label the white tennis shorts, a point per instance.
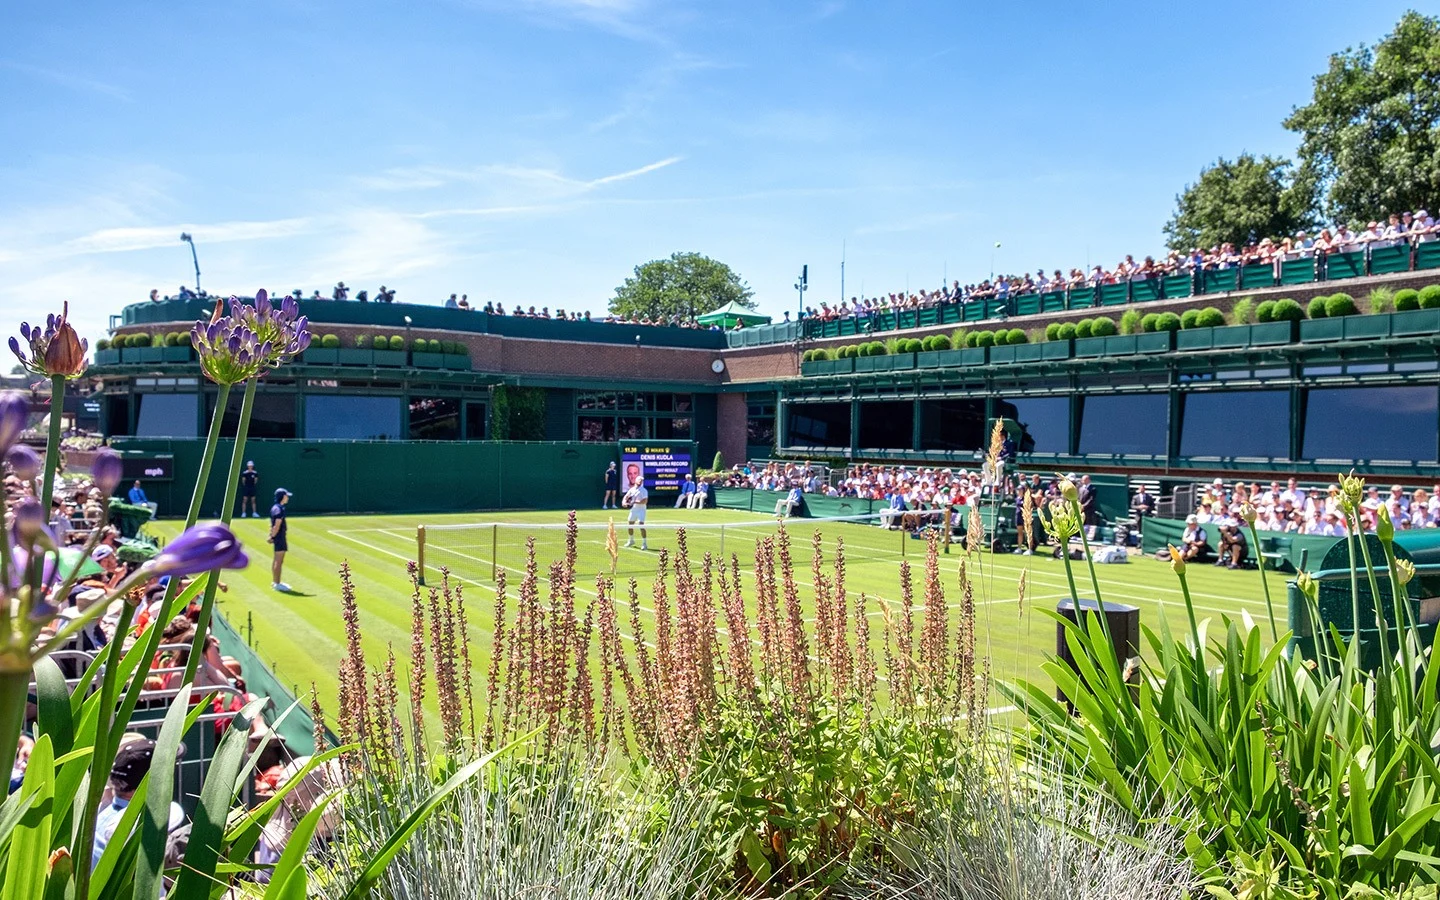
(637, 515)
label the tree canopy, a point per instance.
(1240, 201)
(1370, 136)
(686, 284)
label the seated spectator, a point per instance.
(137, 497)
(791, 503)
(700, 495)
(687, 488)
(1194, 545)
(1233, 545)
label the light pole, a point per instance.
(802, 286)
(185, 236)
(992, 260)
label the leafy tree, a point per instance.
(686, 284)
(1370, 136)
(1240, 201)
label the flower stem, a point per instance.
(52, 445)
(107, 739)
(207, 605)
(14, 691)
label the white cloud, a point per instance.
(533, 181)
(123, 240)
(69, 80)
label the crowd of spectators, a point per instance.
(105, 560)
(1400, 228)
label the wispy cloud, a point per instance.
(535, 180)
(631, 19)
(69, 80)
(653, 86)
(123, 240)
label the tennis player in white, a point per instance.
(636, 500)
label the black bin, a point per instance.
(1123, 621)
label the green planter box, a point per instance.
(1366, 328)
(427, 360)
(1025, 353)
(389, 357)
(836, 366)
(107, 357)
(321, 356)
(973, 356)
(1312, 330)
(1089, 348)
(1269, 334)
(1003, 355)
(131, 355)
(815, 367)
(354, 356)
(939, 359)
(1229, 336)
(1415, 321)
(1190, 339)
(457, 362)
(175, 354)
(152, 354)
(1154, 342)
(1057, 349)
(1119, 344)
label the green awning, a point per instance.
(731, 313)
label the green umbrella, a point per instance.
(70, 557)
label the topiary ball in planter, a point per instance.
(433, 346)
(1167, 322)
(1316, 308)
(878, 348)
(1150, 322)
(396, 342)
(172, 339)
(1066, 331)
(1082, 328)
(985, 339)
(1430, 296)
(420, 345)
(1017, 336)
(1102, 326)
(362, 342)
(1265, 312)
(157, 340)
(330, 342)
(1287, 310)
(1341, 304)
(1209, 317)
(1052, 331)
(1189, 318)
(102, 344)
(1406, 299)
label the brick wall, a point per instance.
(730, 417)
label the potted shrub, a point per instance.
(389, 351)
(458, 356)
(325, 351)
(107, 352)
(177, 347)
(422, 356)
(153, 349)
(358, 355)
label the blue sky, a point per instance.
(535, 151)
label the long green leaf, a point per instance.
(292, 861)
(244, 830)
(154, 825)
(52, 698)
(29, 857)
(406, 830)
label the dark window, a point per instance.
(117, 414)
(595, 429)
(887, 426)
(474, 421)
(167, 415)
(760, 430)
(630, 428)
(434, 419)
(952, 424)
(626, 400)
(1236, 423)
(352, 418)
(272, 416)
(600, 400)
(1371, 423)
(683, 403)
(819, 425)
(1132, 423)
(677, 429)
(1044, 422)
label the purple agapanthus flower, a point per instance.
(56, 351)
(251, 340)
(200, 549)
(106, 470)
(24, 461)
(14, 416)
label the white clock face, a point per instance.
(717, 366)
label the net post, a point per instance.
(420, 551)
(494, 552)
(722, 543)
(946, 525)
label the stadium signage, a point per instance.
(664, 465)
(148, 468)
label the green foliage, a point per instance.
(1209, 317)
(1082, 328)
(102, 344)
(396, 342)
(172, 339)
(985, 339)
(1102, 326)
(1150, 322)
(1002, 336)
(686, 284)
(939, 342)
(1288, 310)
(1265, 312)
(849, 351)
(1017, 336)
(1066, 331)
(1316, 309)
(1167, 322)
(517, 413)
(1406, 299)
(157, 340)
(1380, 300)
(330, 341)
(1189, 318)
(433, 346)
(1368, 135)
(1130, 321)
(911, 345)
(1243, 312)
(420, 345)
(879, 348)
(462, 349)
(1430, 296)
(1240, 201)
(892, 346)
(362, 341)
(1052, 331)
(958, 340)
(717, 464)
(1341, 304)
(137, 340)
(972, 339)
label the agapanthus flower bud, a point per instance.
(1248, 513)
(1177, 562)
(24, 461)
(29, 521)
(14, 416)
(1308, 586)
(1384, 527)
(56, 352)
(200, 549)
(106, 470)
(1352, 491)
(1068, 490)
(1404, 571)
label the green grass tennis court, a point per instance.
(302, 634)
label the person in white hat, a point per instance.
(1193, 541)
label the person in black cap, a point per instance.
(132, 764)
(249, 483)
(277, 538)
